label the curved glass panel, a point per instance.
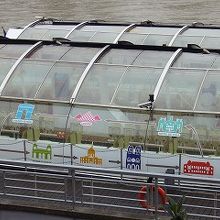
(55, 27)
(52, 33)
(133, 38)
(104, 37)
(174, 95)
(211, 43)
(210, 93)
(33, 33)
(6, 65)
(195, 60)
(13, 50)
(155, 30)
(153, 58)
(212, 32)
(82, 36)
(2, 45)
(103, 28)
(49, 52)
(159, 40)
(80, 54)
(182, 41)
(100, 84)
(26, 79)
(216, 64)
(61, 81)
(136, 85)
(119, 56)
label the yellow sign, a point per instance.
(91, 158)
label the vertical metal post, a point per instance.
(25, 155)
(92, 193)
(4, 188)
(156, 198)
(121, 158)
(180, 167)
(65, 188)
(71, 153)
(215, 203)
(73, 182)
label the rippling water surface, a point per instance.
(21, 12)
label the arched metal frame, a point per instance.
(11, 71)
(165, 70)
(180, 31)
(122, 32)
(79, 26)
(31, 25)
(83, 76)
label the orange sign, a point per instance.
(198, 167)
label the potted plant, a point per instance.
(176, 209)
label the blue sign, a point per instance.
(169, 127)
(24, 114)
(133, 160)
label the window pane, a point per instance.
(80, 54)
(103, 28)
(61, 81)
(193, 60)
(202, 32)
(82, 36)
(50, 34)
(216, 64)
(210, 93)
(49, 52)
(133, 38)
(26, 79)
(159, 40)
(119, 56)
(182, 41)
(155, 30)
(153, 58)
(136, 86)
(6, 65)
(211, 43)
(104, 37)
(100, 84)
(175, 95)
(33, 33)
(14, 51)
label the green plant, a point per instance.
(176, 209)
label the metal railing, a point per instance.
(115, 191)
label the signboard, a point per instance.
(169, 127)
(87, 119)
(133, 160)
(24, 114)
(198, 167)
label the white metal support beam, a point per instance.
(84, 74)
(76, 28)
(11, 71)
(165, 70)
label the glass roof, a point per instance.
(113, 76)
(206, 36)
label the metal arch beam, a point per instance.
(122, 32)
(76, 27)
(84, 74)
(180, 31)
(31, 25)
(11, 71)
(165, 70)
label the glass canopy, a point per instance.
(112, 76)
(205, 36)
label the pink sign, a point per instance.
(87, 119)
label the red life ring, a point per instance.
(142, 193)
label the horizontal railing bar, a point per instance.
(35, 190)
(35, 181)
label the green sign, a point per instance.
(41, 154)
(169, 127)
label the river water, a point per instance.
(21, 12)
